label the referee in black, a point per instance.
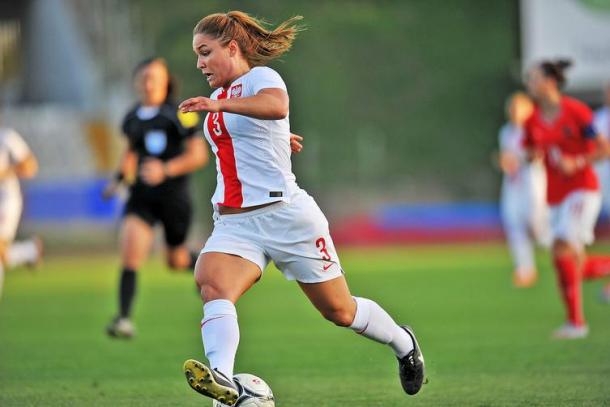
(164, 147)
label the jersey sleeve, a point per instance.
(584, 116)
(503, 138)
(265, 78)
(16, 146)
(127, 131)
(528, 138)
(187, 123)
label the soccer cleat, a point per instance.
(39, 253)
(571, 331)
(210, 382)
(525, 280)
(121, 328)
(411, 367)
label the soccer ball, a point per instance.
(254, 392)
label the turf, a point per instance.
(486, 343)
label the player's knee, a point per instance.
(173, 263)
(210, 292)
(562, 248)
(339, 316)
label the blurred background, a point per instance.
(399, 102)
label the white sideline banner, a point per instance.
(576, 29)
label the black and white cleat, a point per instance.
(411, 367)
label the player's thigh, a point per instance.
(135, 241)
(333, 299)
(225, 276)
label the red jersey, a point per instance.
(571, 133)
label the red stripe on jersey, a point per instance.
(226, 156)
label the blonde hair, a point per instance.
(258, 44)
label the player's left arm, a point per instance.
(267, 104)
(195, 156)
(600, 149)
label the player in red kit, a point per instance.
(561, 131)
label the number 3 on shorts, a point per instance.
(321, 244)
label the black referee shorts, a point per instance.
(174, 210)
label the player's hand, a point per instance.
(509, 163)
(152, 171)
(570, 165)
(295, 144)
(111, 189)
(199, 104)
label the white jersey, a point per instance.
(523, 196)
(13, 150)
(252, 155)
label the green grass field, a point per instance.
(486, 343)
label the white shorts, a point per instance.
(573, 220)
(10, 214)
(294, 235)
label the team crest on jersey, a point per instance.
(155, 141)
(236, 91)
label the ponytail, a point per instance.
(258, 44)
(556, 70)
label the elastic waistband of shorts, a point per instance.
(274, 206)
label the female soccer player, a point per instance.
(523, 196)
(561, 130)
(162, 150)
(16, 162)
(260, 212)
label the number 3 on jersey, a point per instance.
(321, 245)
(216, 125)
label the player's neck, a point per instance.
(550, 103)
(238, 72)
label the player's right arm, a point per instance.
(125, 175)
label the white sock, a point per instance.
(220, 334)
(22, 252)
(373, 322)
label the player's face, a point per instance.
(214, 60)
(151, 84)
